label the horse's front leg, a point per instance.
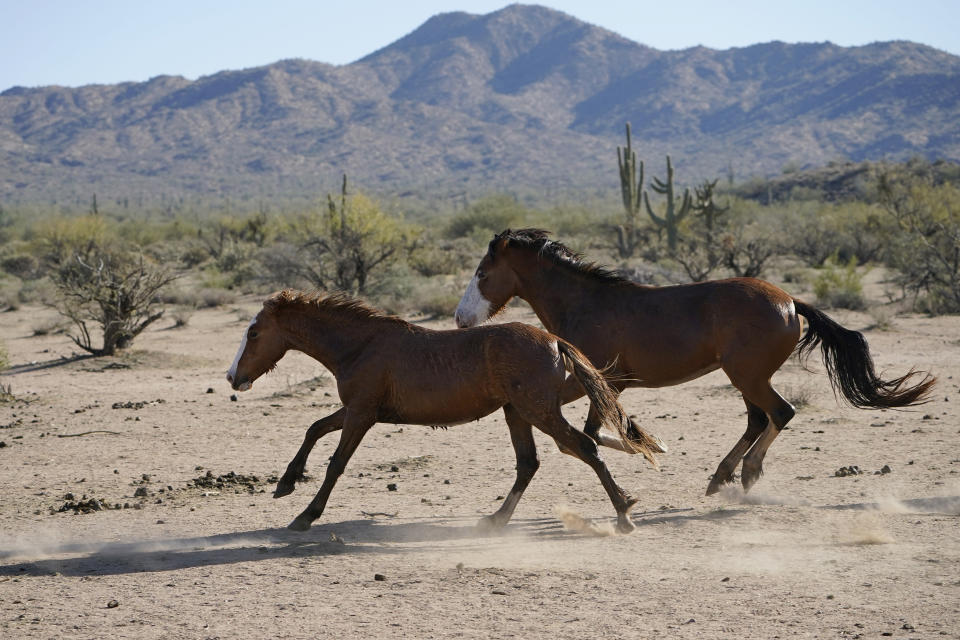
(355, 426)
(294, 472)
(571, 391)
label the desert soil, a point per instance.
(198, 548)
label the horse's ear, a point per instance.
(499, 242)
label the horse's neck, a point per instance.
(555, 295)
(329, 339)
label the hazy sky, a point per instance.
(76, 42)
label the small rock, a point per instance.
(113, 604)
(852, 470)
(727, 579)
(499, 593)
(379, 577)
(886, 469)
(394, 468)
(209, 389)
(392, 486)
(233, 397)
(141, 492)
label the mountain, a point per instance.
(521, 98)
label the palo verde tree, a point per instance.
(339, 248)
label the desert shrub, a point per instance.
(21, 265)
(59, 241)
(839, 285)
(486, 217)
(115, 291)
(193, 256)
(340, 248)
(4, 357)
(753, 236)
(924, 242)
(433, 257)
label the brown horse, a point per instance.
(389, 370)
(660, 336)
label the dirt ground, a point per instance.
(180, 548)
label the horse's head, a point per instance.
(494, 283)
(262, 345)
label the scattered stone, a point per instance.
(233, 397)
(852, 470)
(379, 577)
(392, 486)
(499, 593)
(727, 579)
(141, 492)
(394, 468)
(885, 469)
(82, 506)
(209, 389)
(136, 405)
(234, 479)
(113, 604)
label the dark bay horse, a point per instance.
(389, 370)
(660, 336)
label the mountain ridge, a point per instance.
(521, 98)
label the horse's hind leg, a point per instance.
(521, 434)
(294, 472)
(756, 423)
(583, 447)
(780, 412)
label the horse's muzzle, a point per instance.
(237, 384)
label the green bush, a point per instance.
(839, 286)
(486, 217)
(924, 241)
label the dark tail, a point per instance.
(850, 366)
(605, 400)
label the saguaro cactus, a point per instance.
(631, 188)
(673, 215)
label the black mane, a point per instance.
(538, 240)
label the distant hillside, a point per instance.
(525, 97)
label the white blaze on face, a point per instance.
(232, 371)
(473, 308)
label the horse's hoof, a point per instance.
(299, 524)
(717, 482)
(489, 523)
(283, 489)
(624, 524)
(749, 478)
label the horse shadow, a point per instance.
(360, 537)
(368, 536)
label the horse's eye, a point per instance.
(481, 275)
(252, 335)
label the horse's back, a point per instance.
(668, 335)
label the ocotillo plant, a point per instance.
(673, 215)
(631, 188)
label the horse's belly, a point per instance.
(676, 377)
(441, 409)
